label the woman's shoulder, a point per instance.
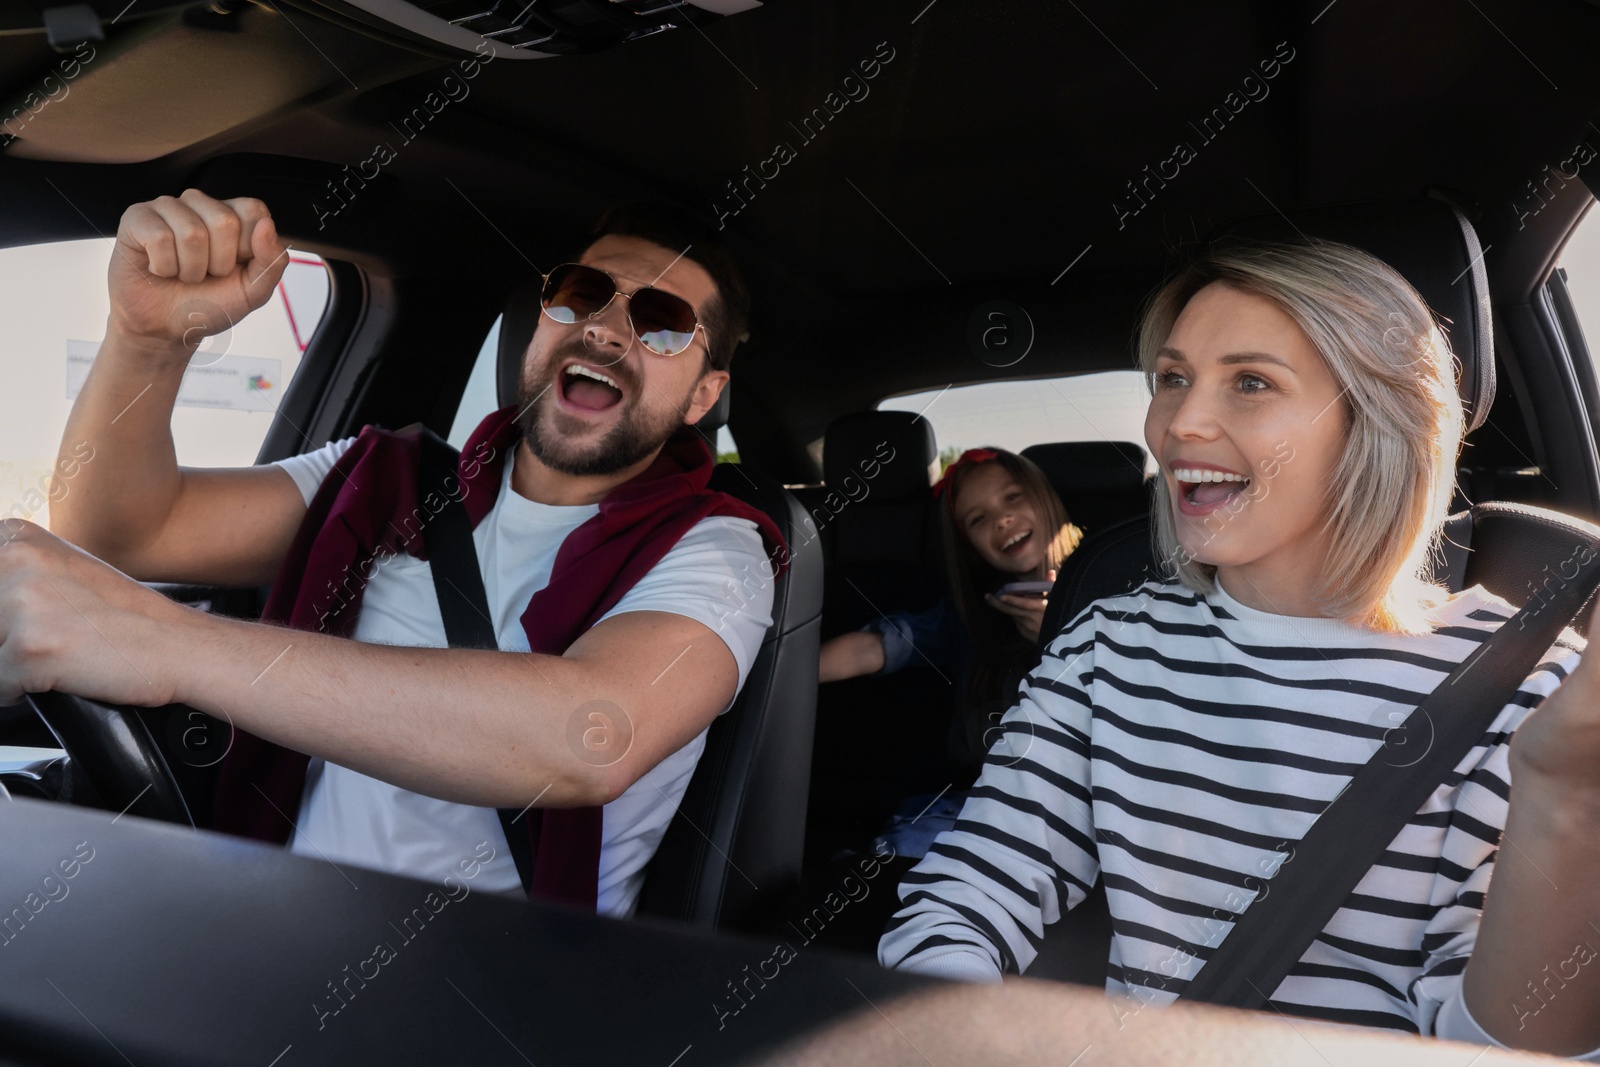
(1474, 605)
(1476, 608)
(1157, 597)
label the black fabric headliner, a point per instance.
(986, 158)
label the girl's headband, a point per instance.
(971, 455)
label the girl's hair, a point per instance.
(1002, 655)
(1390, 489)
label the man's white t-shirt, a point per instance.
(717, 574)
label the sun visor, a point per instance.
(163, 85)
(67, 24)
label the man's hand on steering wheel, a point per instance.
(70, 623)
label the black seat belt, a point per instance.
(1353, 832)
(458, 583)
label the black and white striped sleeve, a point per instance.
(1022, 850)
(1451, 937)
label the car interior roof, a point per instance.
(986, 161)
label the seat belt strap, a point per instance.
(463, 602)
(1353, 832)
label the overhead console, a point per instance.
(534, 29)
(514, 29)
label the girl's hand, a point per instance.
(1027, 612)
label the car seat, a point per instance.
(736, 842)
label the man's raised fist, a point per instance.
(188, 267)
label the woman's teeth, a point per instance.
(1184, 474)
(1202, 488)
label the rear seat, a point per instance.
(882, 554)
(878, 739)
(1100, 482)
(880, 538)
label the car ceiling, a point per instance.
(983, 163)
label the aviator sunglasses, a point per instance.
(664, 322)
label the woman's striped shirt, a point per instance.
(1176, 746)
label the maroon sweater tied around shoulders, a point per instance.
(367, 510)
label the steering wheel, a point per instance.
(113, 747)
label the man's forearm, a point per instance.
(496, 729)
(124, 412)
(475, 727)
(1534, 980)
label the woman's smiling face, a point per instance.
(1248, 423)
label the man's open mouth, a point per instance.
(1203, 488)
(584, 387)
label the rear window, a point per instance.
(1104, 406)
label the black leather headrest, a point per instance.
(517, 323)
(1434, 247)
(1089, 466)
(898, 445)
(716, 418)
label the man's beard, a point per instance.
(635, 436)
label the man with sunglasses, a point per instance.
(611, 571)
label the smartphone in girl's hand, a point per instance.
(1030, 589)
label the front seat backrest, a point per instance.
(735, 845)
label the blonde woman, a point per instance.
(1174, 741)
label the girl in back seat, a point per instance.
(1003, 525)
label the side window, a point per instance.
(1581, 259)
(54, 303)
(1104, 406)
(481, 397)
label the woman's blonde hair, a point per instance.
(1391, 488)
